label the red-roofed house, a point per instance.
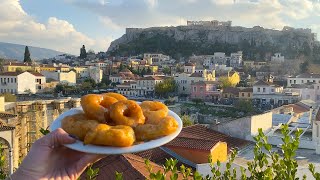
(131, 166)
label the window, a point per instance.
(314, 81)
(302, 81)
(308, 81)
(194, 89)
(258, 89)
(294, 81)
(242, 94)
(15, 80)
(249, 95)
(290, 81)
(272, 90)
(11, 80)
(264, 89)
(201, 89)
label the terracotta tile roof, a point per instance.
(308, 75)
(10, 73)
(199, 137)
(262, 83)
(297, 108)
(205, 82)
(246, 90)
(131, 167)
(189, 64)
(4, 115)
(159, 156)
(37, 74)
(156, 155)
(152, 78)
(231, 90)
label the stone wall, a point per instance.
(245, 128)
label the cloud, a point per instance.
(109, 24)
(57, 34)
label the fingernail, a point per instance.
(73, 136)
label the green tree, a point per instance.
(3, 174)
(27, 57)
(186, 120)
(166, 70)
(19, 70)
(163, 89)
(143, 72)
(121, 67)
(197, 101)
(1, 65)
(304, 67)
(244, 106)
(225, 82)
(83, 52)
(149, 71)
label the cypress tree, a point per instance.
(83, 52)
(27, 57)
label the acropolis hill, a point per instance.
(209, 32)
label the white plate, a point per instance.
(79, 146)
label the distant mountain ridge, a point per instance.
(16, 51)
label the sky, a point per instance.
(65, 25)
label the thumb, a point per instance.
(56, 138)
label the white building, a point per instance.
(82, 71)
(63, 77)
(21, 82)
(265, 92)
(191, 75)
(277, 58)
(157, 58)
(95, 73)
(236, 59)
(303, 79)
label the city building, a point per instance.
(21, 82)
(230, 93)
(246, 93)
(266, 92)
(13, 67)
(303, 79)
(146, 85)
(205, 90)
(69, 78)
(190, 75)
(255, 65)
(307, 91)
(82, 71)
(123, 76)
(157, 59)
(236, 59)
(95, 73)
(277, 58)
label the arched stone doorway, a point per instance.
(7, 135)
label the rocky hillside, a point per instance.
(257, 43)
(16, 51)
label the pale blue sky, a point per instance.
(67, 24)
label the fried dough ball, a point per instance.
(165, 127)
(154, 111)
(96, 106)
(127, 112)
(119, 136)
(117, 96)
(78, 125)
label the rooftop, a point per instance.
(205, 82)
(196, 74)
(199, 137)
(231, 90)
(131, 166)
(308, 75)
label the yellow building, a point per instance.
(12, 67)
(246, 93)
(48, 68)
